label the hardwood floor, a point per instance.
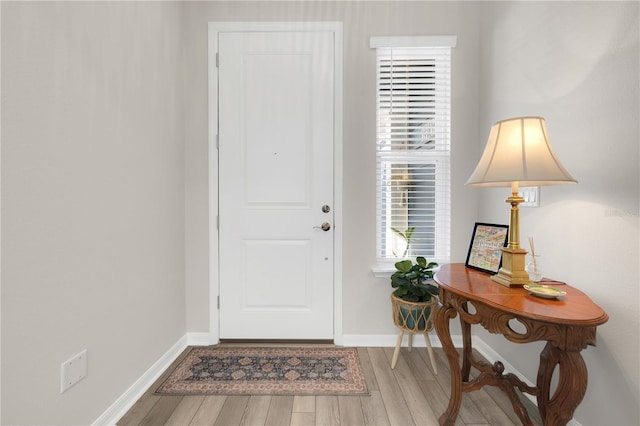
(408, 395)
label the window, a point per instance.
(413, 147)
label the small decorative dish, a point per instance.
(544, 291)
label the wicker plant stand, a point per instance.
(413, 318)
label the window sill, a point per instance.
(382, 271)
(384, 268)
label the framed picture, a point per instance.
(485, 250)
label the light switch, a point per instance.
(530, 195)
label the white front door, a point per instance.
(276, 146)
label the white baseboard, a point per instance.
(131, 395)
(389, 340)
(199, 339)
(126, 401)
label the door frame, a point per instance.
(214, 29)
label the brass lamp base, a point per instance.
(512, 272)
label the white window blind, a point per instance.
(413, 152)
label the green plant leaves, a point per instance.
(411, 280)
(404, 265)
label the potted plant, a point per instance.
(413, 281)
(413, 301)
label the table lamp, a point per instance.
(518, 152)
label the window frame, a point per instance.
(441, 158)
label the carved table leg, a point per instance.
(443, 317)
(466, 346)
(572, 384)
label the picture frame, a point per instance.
(485, 248)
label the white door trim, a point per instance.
(214, 29)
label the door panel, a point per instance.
(276, 106)
(293, 290)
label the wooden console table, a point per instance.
(568, 324)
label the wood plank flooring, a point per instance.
(408, 395)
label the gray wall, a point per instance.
(577, 64)
(92, 201)
(105, 193)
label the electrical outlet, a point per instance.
(73, 370)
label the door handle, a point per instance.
(325, 226)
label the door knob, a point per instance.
(325, 226)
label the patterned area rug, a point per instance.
(267, 371)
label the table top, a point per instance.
(575, 308)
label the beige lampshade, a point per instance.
(519, 151)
